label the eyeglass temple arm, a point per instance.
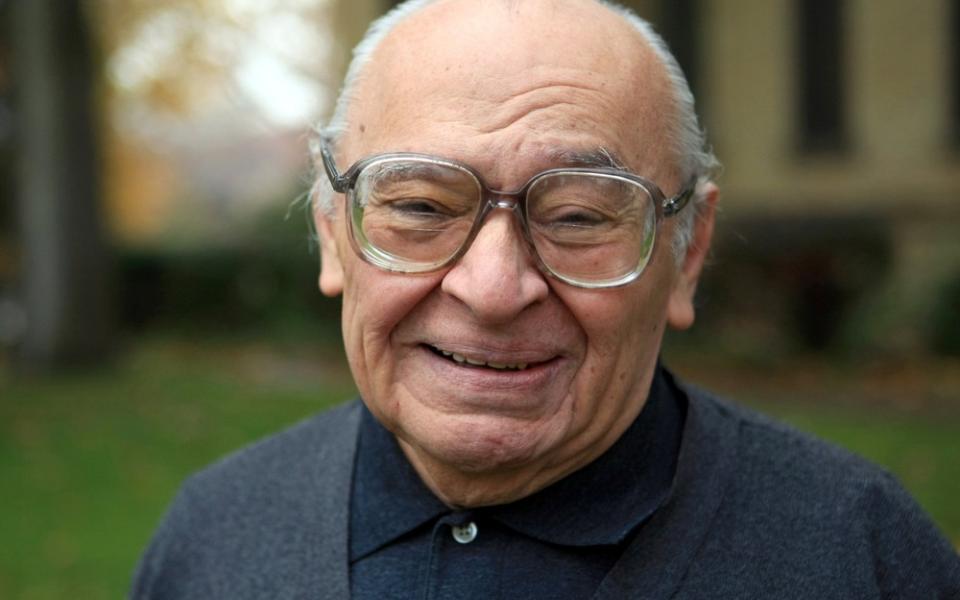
(337, 181)
(672, 206)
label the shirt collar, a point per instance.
(388, 498)
(601, 503)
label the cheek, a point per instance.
(620, 324)
(624, 328)
(375, 303)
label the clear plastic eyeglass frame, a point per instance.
(491, 199)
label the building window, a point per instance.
(821, 73)
(680, 26)
(953, 76)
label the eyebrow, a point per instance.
(598, 157)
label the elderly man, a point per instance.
(516, 203)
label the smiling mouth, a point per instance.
(466, 361)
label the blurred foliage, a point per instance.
(777, 287)
(175, 56)
(945, 319)
(260, 281)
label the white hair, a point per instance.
(696, 160)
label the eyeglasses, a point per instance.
(414, 213)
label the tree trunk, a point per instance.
(64, 261)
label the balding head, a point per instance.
(484, 70)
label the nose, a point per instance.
(497, 278)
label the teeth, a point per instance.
(479, 363)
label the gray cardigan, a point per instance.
(758, 510)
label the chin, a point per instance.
(477, 445)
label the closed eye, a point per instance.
(579, 220)
(416, 206)
(575, 219)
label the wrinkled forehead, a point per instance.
(570, 69)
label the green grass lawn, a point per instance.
(89, 461)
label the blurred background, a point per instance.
(158, 301)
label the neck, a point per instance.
(460, 488)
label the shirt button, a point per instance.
(465, 534)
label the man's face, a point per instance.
(502, 88)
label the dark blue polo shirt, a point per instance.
(557, 543)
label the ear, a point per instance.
(680, 309)
(331, 268)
